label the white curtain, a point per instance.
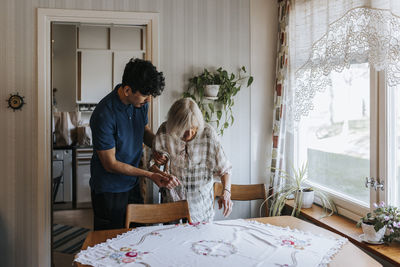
(328, 35)
(325, 36)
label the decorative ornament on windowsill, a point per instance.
(15, 101)
(380, 225)
(214, 92)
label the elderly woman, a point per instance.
(196, 158)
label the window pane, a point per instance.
(335, 138)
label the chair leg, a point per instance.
(56, 185)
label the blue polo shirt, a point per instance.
(115, 124)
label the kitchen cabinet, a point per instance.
(120, 58)
(82, 161)
(102, 54)
(89, 60)
(62, 168)
(95, 76)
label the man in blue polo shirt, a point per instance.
(119, 128)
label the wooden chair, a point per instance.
(243, 192)
(157, 213)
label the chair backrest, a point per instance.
(157, 213)
(243, 192)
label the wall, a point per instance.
(64, 66)
(264, 25)
(193, 34)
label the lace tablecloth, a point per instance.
(220, 243)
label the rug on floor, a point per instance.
(68, 239)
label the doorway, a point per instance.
(52, 174)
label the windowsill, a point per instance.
(347, 228)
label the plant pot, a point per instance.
(308, 199)
(211, 90)
(370, 234)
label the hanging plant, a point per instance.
(217, 108)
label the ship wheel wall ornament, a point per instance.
(15, 101)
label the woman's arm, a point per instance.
(225, 199)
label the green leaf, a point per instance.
(243, 68)
(232, 120)
(226, 125)
(207, 117)
(250, 81)
(219, 114)
(211, 106)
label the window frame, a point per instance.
(380, 110)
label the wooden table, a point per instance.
(349, 255)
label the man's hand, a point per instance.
(159, 158)
(226, 201)
(168, 181)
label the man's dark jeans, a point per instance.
(109, 209)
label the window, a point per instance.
(339, 138)
(393, 136)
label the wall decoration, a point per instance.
(15, 101)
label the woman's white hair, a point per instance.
(183, 115)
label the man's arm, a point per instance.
(148, 136)
(112, 165)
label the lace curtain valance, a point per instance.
(361, 34)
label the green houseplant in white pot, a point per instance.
(214, 92)
(296, 187)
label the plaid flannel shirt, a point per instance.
(196, 164)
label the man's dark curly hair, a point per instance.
(141, 75)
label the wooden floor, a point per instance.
(78, 218)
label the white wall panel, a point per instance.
(193, 34)
(263, 57)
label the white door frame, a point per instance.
(45, 18)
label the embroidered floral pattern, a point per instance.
(294, 261)
(213, 248)
(233, 243)
(292, 242)
(196, 224)
(132, 255)
(153, 233)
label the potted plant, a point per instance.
(214, 92)
(296, 187)
(382, 224)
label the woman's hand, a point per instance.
(226, 201)
(159, 158)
